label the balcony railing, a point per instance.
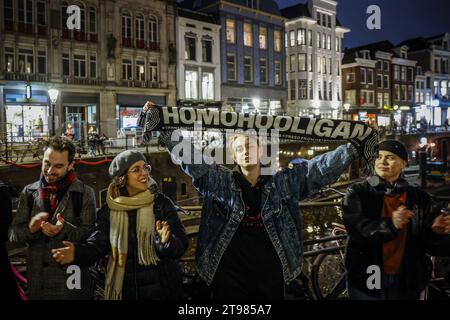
(81, 81)
(25, 27)
(140, 44)
(17, 76)
(42, 30)
(9, 25)
(140, 84)
(93, 37)
(127, 43)
(79, 35)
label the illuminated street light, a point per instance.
(53, 95)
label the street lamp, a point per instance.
(53, 95)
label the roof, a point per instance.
(195, 15)
(297, 11)
(385, 46)
(268, 6)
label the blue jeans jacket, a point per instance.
(223, 207)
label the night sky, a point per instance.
(400, 19)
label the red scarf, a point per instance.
(51, 193)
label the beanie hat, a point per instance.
(123, 161)
(394, 146)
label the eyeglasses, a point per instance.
(138, 170)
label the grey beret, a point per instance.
(123, 161)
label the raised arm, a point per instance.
(309, 176)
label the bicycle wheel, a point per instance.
(328, 277)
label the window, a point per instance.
(396, 72)
(278, 72)
(139, 69)
(404, 73)
(311, 90)
(292, 89)
(397, 92)
(329, 42)
(254, 4)
(292, 38)
(338, 93)
(189, 49)
(8, 10)
(126, 69)
(231, 31)
(436, 65)
(319, 90)
(207, 86)
(9, 59)
(79, 66)
(93, 66)
(436, 88)
(92, 21)
(262, 37)
(65, 64)
(410, 93)
(330, 90)
(369, 76)
(263, 70)
(386, 99)
(153, 70)
(386, 66)
(231, 67)
(82, 19)
(367, 97)
(337, 44)
(350, 97)
(302, 90)
(319, 21)
(206, 50)
(310, 38)
(380, 100)
(404, 55)
(329, 21)
(410, 74)
(40, 6)
(310, 63)
(26, 61)
(318, 40)
(379, 65)
(319, 64)
(292, 63)
(379, 81)
(25, 12)
(404, 93)
(42, 62)
(324, 41)
(350, 77)
(443, 88)
(248, 35)
(248, 69)
(126, 26)
(324, 65)
(139, 31)
(362, 74)
(64, 15)
(325, 93)
(191, 90)
(386, 81)
(330, 65)
(338, 67)
(301, 37)
(277, 40)
(301, 62)
(153, 35)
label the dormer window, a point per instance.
(404, 54)
(365, 54)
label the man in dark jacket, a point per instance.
(9, 286)
(392, 227)
(56, 208)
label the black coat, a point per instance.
(7, 280)
(162, 281)
(368, 232)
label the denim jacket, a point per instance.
(223, 206)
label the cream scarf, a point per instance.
(118, 237)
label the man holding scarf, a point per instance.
(58, 207)
(250, 238)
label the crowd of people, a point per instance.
(249, 244)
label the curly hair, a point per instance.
(62, 144)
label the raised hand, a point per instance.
(36, 222)
(163, 230)
(51, 230)
(64, 255)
